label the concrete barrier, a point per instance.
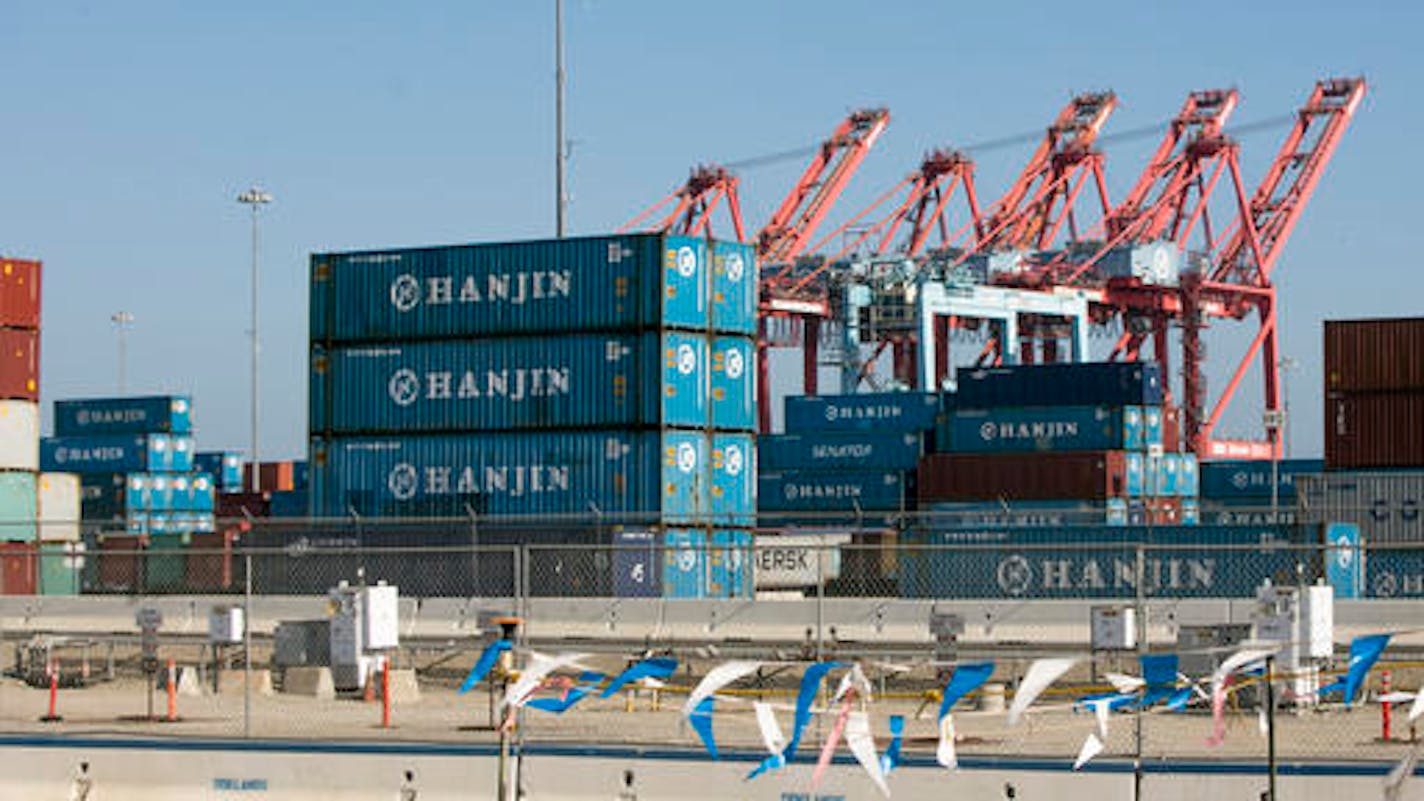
(314, 682)
(405, 689)
(230, 681)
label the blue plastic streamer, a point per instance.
(559, 706)
(891, 758)
(965, 680)
(658, 667)
(484, 664)
(810, 685)
(1364, 652)
(701, 720)
(773, 762)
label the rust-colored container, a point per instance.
(1171, 429)
(1374, 430)
(1164, 511)
(276, 476)
(19, 294)
(19, 364)
(19, 573)
(1089, 475)
(119, 562)
(235, 505)
(209, 561)
(1374, 355)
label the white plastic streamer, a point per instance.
(1417, 708)
(860, 743)
(717, 678)
(854, 679)
(944, 753)
(1040, 674)
(1092, 746)
(770, 730)
(1101, 708)
(1124, 683)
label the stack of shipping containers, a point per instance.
(594, 379)
(139, 487)
(1239, 492)
(1374, 446)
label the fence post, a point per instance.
(1140, 623)
(247, 642)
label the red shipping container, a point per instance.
(1374, 430)
(1091, 475)
(19, 364)
(232, 505)
(119, 561)
(19, 294)
(1171, 429)
(209, 562)
(1374, 355)
(276, 476)
(19, 573)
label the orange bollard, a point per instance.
(53, 716)
(172, 682)
(1386, 730)
(386, 694)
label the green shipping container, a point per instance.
(19, 505)
(61, 568)
(165, 563)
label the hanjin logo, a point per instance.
(686, 560)
(736, 365)
(686, 262)
(734, 460)
(405, 292)
(736, 268)
(1015, 575)
(83, 417)
(404, 387)
(686, 457)
(403, 481)
(987, 431)
(686, 359)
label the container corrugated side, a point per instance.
(610, 283)
(734, 471)
(19, 568)
(1226, 480)
(1061, 428)
(108, 454)
(19, 435)
(19, 499)
(158, 414)
(61, 568)
(577, 381)
(733, 396)
(1374, 355)
(831, 491)
(224, 466)
(58, 506)
(1023, 477)
(685, 568)
(20, 293)
(881, 411)
(735, 286)
(730, 564)
(1374, 430)
(661, 474)
(841, 450)
(1388, 506)
(19, 364)
(956, 515)
(1074, 384)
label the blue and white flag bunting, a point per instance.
(588, 682)
(701, 720)
(891, 758)
(1364, 652)
(966, 679)
(658, 667)
(484, 664)
(810, 685)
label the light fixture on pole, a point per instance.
(256, 199)
(122, 321)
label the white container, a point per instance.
(381, 617)
(225, 625)
(19, 435)
(58, 505)
(1114, 628)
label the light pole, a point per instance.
(256, 199)
(561, 198)
(122, 321)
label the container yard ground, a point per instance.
(440, 716)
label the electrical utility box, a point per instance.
(1301, 619)
(364, 620)
(225, 625)
(1113, 628)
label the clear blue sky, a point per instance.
(130, 127)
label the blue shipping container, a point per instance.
(1394, 573)
(159, 414)
(1138, 480)
(730, 564)
(1153, 420)
(1189, 477)
(224, 466)
(734, 383)
(290, 504)
(610, 283)
(1062, 428)
(661, 475)
(733, 479)
(1034, 563)
(684, 564)
(952, 516)
(841, 450)
(841, 491)
(735, 283)
(637, 563)
(114, 496)
(881, 411)
(576, 381)
(1246, 512)
(113, 454)
(1075, 384)
(301, 474)
(1191, 512)
(1224, 480)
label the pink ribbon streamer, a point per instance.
(831, 742)
(1218, 713)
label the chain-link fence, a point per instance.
(907, 601)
